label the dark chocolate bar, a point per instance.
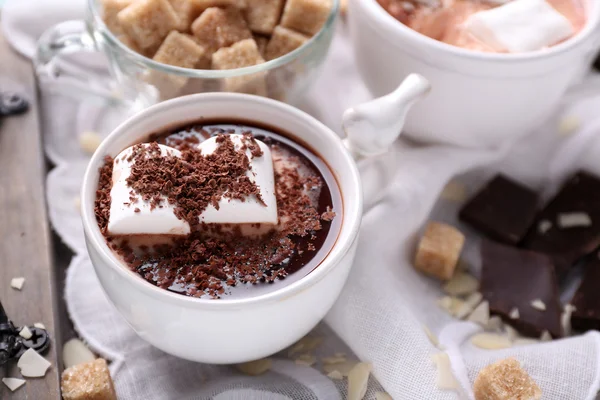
(512, 278)
(503, 210)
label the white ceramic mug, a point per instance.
(238, 330)
(478, 99)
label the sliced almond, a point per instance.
(474, 299)
(306, 360)
(333, 360)
(494, 324)
(463, 309)
(358, 381)
(337, 375)
(432, 338)
(514, 313)
(538, 305)
(568, 125)
(343, 368)
(511, 333)
(32, 365)
(452, 305)
(454, 191)
(306, 344)
(89, 141)
(445, 379)
(25, 333)
(39, 325)
(524, 341)
(255, 368)
(545, 336)
(481, 314)
(17, 283)
(573, 220)
(490, 341)
(13, 383)
(382, 396)
(75, 352)
(565, 318)
(461, 284)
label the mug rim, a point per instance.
(380, 17)
(94, 9)
(347, 235)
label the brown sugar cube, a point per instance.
(218, 27)
(110, 9)
(129, 42)
(148, 22)
(261, 43)
(306, 16)
(263, 15)
(180, 50)
(185, 13)
(88, 381)
(505, 380)
(198, 6)
(242, 54)
(283, 41)
(439, 249)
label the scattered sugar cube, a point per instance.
(110, 9)
(200, 5)
(283, 41)
(241, 54)
(216, 28)
(17, 283)
(13, 383)
(261, 43)
(438, 250)
(89, 141)
(263, 15)
(306, 16)
(148, 22)
(503, 380)
(180, 50)
(88, 381)
(520, 26)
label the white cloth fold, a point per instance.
(386, 302)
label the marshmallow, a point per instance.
(520, 26)
(124, 220)
(250, 210)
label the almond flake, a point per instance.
(89, 141)
(358, 381)
(335, 374)
(544, 226)
(525, 341)
(565, 318)
(454, 191)
(343, 368)
(452, 305)
(306, 344)
(432, 338)
(39, 325)
(13, 383)
(474, 299)
(538, 305)
(463, 309)
(490, 341)
(445, 379)
(333, 360)
(545, 337)
(511, 333)
(568, 125)
(75, 352)
(255, 368)
(481, 314)
(25, 333)
(17, 283)
(382, 396)
(306, 360)
(461, 284)
(573, 220)
(32, 365)
(494, 324)
(514, 313)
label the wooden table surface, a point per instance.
(25, 239)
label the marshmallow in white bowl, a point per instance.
(520, 26)
(250, 210)
(124, 220)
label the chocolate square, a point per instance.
(580, 194)
(587, 300)
(503, 210)
(514, 278)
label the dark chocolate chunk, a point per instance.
(514, 278)
(586, 300)
(566, 245)
(503, 210)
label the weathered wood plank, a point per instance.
(24, 233)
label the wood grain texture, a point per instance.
(24, 233)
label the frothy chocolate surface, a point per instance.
(223, 260)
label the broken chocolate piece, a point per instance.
(513, 278)
(502, 210)
(566, 244)
(586, 301)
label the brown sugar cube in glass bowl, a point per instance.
(219, 27)
(263, 15)
(505, 380)
(148, 22)
(242, 54)
(438, 250)
(185, 13)
(503, 210)
(283, 41)
(110, 9)
(199, 6)
(306, 16)
(88, 381)
(182, 51)
(261, 43)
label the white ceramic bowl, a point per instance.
(478, 99)
(232, 330)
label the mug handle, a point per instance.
(67, 78)
(372, 127)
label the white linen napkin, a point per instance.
(383, 307)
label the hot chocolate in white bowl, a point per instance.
(479, 99)
(236, 330)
